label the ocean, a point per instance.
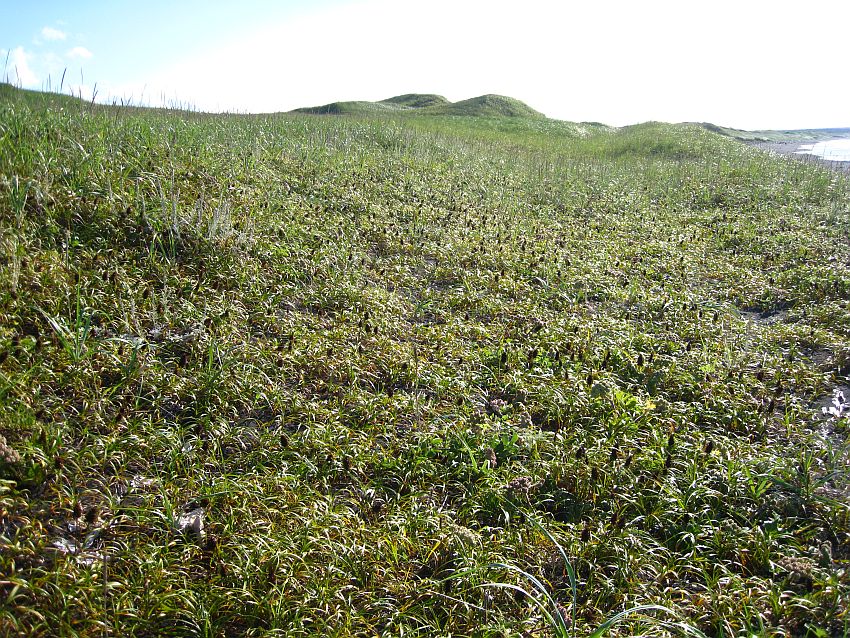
(834, 150)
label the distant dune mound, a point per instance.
(429, 104)
(417, 100)
(349, 108)
(786, 135)
(488, 106)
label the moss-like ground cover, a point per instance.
(293, 375)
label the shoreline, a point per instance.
(790, 149)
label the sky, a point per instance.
(748, 64)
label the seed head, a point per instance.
(7, 453)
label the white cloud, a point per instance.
(615, 61)
(18, 70)
(80, 52)
(51, 34)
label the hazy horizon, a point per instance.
(752, 66)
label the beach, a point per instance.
(792, 148)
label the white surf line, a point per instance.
(830, 150)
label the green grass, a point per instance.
(794, 135)
(419, 104)
(383, 356)
(352, 108)
(418, 100)
(487, 106)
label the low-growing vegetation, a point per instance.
(299, 375)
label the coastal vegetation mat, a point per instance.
(299, 375)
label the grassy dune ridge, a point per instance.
(795, 135)
(289, 375)
(419, 104)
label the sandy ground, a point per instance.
(790, 148)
